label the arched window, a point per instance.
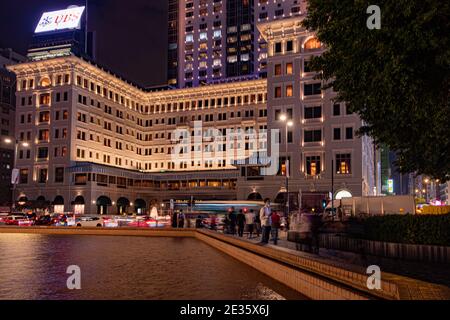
(45, 82)
(312, 44)
(343, 194)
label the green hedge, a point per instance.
(413, 229)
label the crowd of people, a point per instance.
(265, 223)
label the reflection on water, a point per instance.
(34, 267)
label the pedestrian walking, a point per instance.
(240, 223)
(198, 222)
(181, 219)
(275, 225)
(257, 224)
(232, 217)
(250, 222)
(264, 215)
(174, 219)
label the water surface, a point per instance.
(33, 266)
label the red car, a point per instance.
(18, 221)
(145, 222)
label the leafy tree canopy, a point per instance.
(396, 77)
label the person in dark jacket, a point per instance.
(232, 217)
(181, 219)
(174, 219)
(240, 219)
(198, 222)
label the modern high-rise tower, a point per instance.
(212, 41)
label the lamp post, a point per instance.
(16, 147)
(287, 123)
(426, 180)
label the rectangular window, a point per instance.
(277, 70)
(42, 153)
(337, 134)
(289, 45)
(313, 112)
(23, 176)
(42, 175)
(349, 133)
(312, 89)
(289, 68)
(312, 165)
(289, 90)
(313, 135)
(278, 47)
(343, 163)
(59, 174)
(336, 109)
(277, 92)
(44, 98)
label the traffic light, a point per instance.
(324, 203)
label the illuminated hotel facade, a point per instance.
(98, 144)
(213, 40)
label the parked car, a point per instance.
(88, 221)
(18, 221)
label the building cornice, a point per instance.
(77, 64)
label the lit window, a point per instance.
(289, 91)
(217, 62)
(189, 38)
(203, 36)
(312, 165)
(245, 27)
(343, 163)
(217, 34)
(312, 44)
(289, 68)
(232, 59)
(245, 57)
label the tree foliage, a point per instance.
(396, 77)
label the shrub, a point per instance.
(412, 229)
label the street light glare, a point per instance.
(8, 140)
(290, 123)
(25, 144)
(283, 117)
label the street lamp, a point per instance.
(426, 180)
(287, 123)
(16, 146)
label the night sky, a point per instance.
(131, 34)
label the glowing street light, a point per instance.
(288, 123)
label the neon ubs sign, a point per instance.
(60, 20)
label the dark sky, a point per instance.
(131, 34)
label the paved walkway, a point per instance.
(429, 272)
